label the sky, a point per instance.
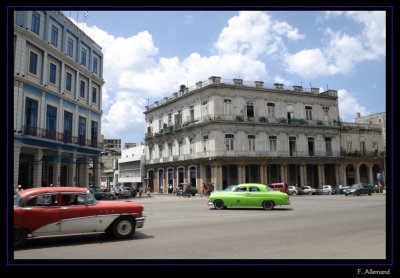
(149, 54)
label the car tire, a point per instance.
(268, 205)
(358, 193)
(123, 228)
(219, 204)
(20, 237)
(369, 193)
(346, 194)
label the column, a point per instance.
(219, 178)
(17, 151)
(241, 174)
(44, 69)
(343, 174)
(62, 79)
(42, 111)
(303, 174)
(263, 178)
(57, 168)
(357, 173)
(266, 174)
(18, 105)
(85, 176)
(37, 168)
(72, 171)
(203, 178)
(337, 175)
(371, 174)
(321, 178)
(283, 173)
(96, 173)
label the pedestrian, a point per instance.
(148, 192)
(140, 191)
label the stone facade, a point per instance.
(58, 83)
(229, 131)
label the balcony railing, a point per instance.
(215, 154)
(240, 118)
(60, 137)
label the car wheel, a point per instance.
(268, 205)
(123, 227)
(358, 193)
(20, 237)
(219, 204)
(369, 193)
(346, 194)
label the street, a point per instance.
(311, 227)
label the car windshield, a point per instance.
(230, 188)
(17, 200)
(269, 188)
(355, 186)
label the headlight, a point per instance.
(353, 190)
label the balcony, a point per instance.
(59, 137)
(266, 154)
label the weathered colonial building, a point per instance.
(58, 83)
(228, 132)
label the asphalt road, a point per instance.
(312, 227)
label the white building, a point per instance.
(58, 79)
(229, 132)
(131, 166)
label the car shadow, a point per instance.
(253, 208)
(75, 240)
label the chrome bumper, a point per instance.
(140, 221)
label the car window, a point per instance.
(254, 189)
(240, 189)
(42, 200)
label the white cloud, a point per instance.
(343, 51)
(309, 63)
(282, 80)
(349, 106)
(133, 72)
(254, 33)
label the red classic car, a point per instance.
(44, 211)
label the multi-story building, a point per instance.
(58, 79)
(227, 132)
(378, 118)
(131, 166)
(109, 162)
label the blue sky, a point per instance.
(148, 54)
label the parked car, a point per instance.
(249, 194)
(308, 190)
(294, 190)
(280, 186)
(188, 189)
(340, 190)
(102, 193)
(45, 211)
(325, 189)
(358, 189)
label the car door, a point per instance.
(41, 214)
(238, 197)
(253, 196)
(75, 216)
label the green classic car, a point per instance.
(249, 194)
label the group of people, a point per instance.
(140, 191)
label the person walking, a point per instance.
(140, 191)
